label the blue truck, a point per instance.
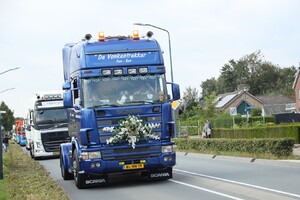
(120, 116)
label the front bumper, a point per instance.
(99, 166)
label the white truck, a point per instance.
(28, 130)
(48, 125)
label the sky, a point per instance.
(204, 35)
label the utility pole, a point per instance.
(1, 144)
(171, 66)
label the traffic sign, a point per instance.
(233, 111)
(175, 104)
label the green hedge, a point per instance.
(278, 131)
(227, 122)
(282, 147)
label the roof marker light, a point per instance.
(136, 35)
(101, 36)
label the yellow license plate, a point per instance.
(56, 153)
(133, 166)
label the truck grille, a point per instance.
(52, 140)
(116, 153)
(122, 151)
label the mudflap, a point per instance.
(94, 180)
(160, 174)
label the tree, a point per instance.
(7, 119)
(286, 81)
(190, 96)
(261, 76)
(191, 102)
(210, 105)
(209, 86)
(227, 79)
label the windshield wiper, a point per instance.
(59, 125)
(105, 105)
(141, 102)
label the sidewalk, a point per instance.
(296, 150)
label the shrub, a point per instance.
(280, 148)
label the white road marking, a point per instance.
(239, 183)
(206, 190)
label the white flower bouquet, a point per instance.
(131, 130)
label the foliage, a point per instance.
(4, 182)
(261, 76)
(209, 86)
(192, 111)
(280, 148)
(191, 94)
(260, 131)
(190, 102)
(7, 119)
(256, 112)
(131, 130)
(27, 179)
(210, 105)
(195, 111)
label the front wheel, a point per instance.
(79, 178)
(64, 172)
(31, 151)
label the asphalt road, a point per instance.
(199, 176)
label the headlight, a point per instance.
(38, 145)
(168, 149)
(90, 155)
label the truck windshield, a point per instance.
(50, 116)
(124, 90)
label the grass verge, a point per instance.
(26, 179)
(4, 181)
(243, 154)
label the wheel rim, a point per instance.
(75, 169)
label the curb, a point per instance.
(286, 163)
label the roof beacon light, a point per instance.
(136, 35)
(101, 36)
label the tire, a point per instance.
(79, 178)
(31, 151)
(33, 156)
(64, 172)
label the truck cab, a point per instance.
(108, 83)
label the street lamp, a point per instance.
(9, 70)
(4, 73)
(1, 160)
(171, 67)
(7, 90)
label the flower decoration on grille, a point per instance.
(131, 130)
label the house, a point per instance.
(296, 87)
(242, 100)
(277, 104)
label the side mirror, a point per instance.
(66, 85)
(175, 91)
(68, 103)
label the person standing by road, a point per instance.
(206, 130)
(5, 142)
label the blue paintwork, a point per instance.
(85, 60)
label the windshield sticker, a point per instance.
(123, 58)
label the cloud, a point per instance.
(204, 36)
